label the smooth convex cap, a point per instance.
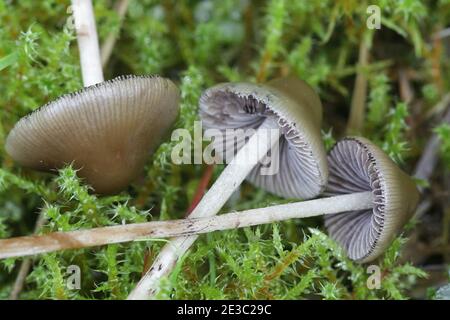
(106, 130)
(303, 168)
(357, 165)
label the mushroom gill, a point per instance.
(357, 165)
(297, 111)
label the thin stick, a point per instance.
(20, 280)
(26, 263)
(442, 34)
(429, 159)
(405, 87)
(31, 245)
(427, 162)
(358, 104)
(91, 67)
(120, 7)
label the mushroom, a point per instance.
(357, 165)
(298, 112)
(371, 199)
(285, 110)
(107, 130)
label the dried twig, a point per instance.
(427, 162)
(201, 189)
(120, 7)
(442, 33)
(31, 245)
(358, 105)
(405, 87)
(26, 263)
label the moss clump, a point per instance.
(199, 43)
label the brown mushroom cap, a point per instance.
(357, 165)
(106, 130)
(303, 169)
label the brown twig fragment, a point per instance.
(26, 263)
(201, 189)
(120, 7)
(427, 162)
(265, 62)
(358, 104)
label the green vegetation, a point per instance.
(197, 44)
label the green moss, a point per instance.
(200, 43)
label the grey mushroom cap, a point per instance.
(357, 165)
(303, 168)
(107, 131)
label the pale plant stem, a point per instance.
(91, 67)
(232, 176)
(25, 266)
(120, 7)
(429, 158)
(442, 34)
(20, 279)
(358, 104)
(31, 245)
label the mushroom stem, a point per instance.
(31, 245)
(91, 67)
(230, 179)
